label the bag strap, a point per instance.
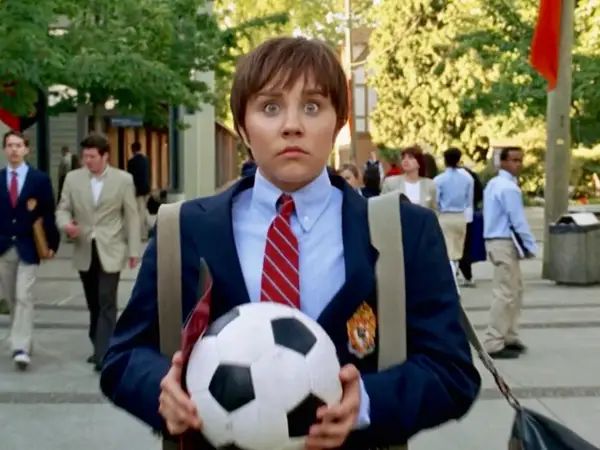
(168, 261)
(385, 227)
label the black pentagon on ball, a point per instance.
(293, 334)
(217, 326)
(231, 386)
(303, 416)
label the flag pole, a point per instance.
(558, 123)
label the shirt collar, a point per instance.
(99, 177)
(21, 170)
(505, 174)
(310, 201)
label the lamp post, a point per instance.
(349, 58)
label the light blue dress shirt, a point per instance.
(21, 175)
(454, 191)
(317, 224)
(503, 207)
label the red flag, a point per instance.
(13, 122)
(546, 41)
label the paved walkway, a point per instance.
(57, 405)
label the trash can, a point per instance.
(574, 249)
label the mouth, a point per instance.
(293, 151)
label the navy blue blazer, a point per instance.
(16, 224)
(438, 381)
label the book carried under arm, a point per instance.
(40, 239)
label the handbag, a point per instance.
(531, 430)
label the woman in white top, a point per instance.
(412, 182)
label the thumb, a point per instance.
(177, 364)
(349, 373)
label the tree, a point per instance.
(456, 72)
(29, 57)
(141, 54)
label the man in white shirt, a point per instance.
(98, 211)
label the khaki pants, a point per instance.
(142, 201)
(454, 229)
(17, 280)
(507, 292)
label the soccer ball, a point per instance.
(259, 375)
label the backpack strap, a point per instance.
(385, 229)
(168, 262)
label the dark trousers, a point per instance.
(100, 290)
(465, 262)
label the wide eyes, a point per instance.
(272, 108)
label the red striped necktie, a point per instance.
(280, 277)
(13, 189)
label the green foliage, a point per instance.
(457, 71)
(140, 53)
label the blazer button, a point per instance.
(14, 238)
(14, 221)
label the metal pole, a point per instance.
(349, 59)
(558, 151)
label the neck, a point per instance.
(14, 166)
(100, 172)
(412, 176)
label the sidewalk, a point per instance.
(57, 403)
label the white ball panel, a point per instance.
(217, 426)
(245, 340)
(259, 426)
(294, 444)
(324, 371)
(203, 362)
(266, 311)
(281, 379)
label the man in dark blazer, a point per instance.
(139, 169)
(290, 127)
(25, 195)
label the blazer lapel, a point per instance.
(24, 194)
(3, 186)
(359, 258)
(107, 187)
(221, 253)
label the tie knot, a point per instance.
(285, 205)
(13, 173)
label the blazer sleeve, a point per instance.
(133, 366)
(433, 195)
(438, 381)
(64, 210)
(386, 187)
(49, 219)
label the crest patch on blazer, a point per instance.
(362, 328)
(31, 204)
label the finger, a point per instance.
(349, 373)
(175, 413)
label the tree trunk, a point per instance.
(97, 119)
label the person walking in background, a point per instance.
(98, 211)
(25, 195)
(454, 200)
(139, 169)
(371, 181)
(507, 239)
(472, 240)
(67, 163)
(349, 172)
(373, 162)
(413, 184)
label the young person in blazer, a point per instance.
(289, 101)
(25, 196)
(413, 184)
(98, 211)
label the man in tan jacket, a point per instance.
(98, 211)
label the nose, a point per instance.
(292, 125)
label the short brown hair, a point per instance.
(350, 168)
(17, 134)
(286, 59)
(416, 152)
(96, 140)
